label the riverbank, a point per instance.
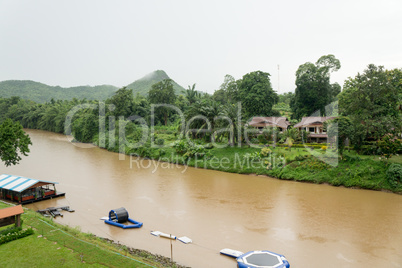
(53, 244)
(304, 164)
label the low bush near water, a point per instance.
(314, 163)
(394, 174)
(188, 150)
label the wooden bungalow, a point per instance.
(24, 190)
(315, 126)
(11, 215)
(260, 123)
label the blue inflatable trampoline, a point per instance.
(262, 259)
(118, 217)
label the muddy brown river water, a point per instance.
(312, 225)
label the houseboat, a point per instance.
(25, 190)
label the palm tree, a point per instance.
(201, 113)
(233, 116)
(191, 94)
(290, 135)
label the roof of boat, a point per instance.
(18, 183)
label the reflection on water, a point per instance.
(312, 225)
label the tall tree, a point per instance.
(13, 142)
(228, 92)
(162, 93)
(220, 96)
(286, 97)
(85, 125)
(123, 102)
(313, 88)
(256, 94)
(340, 129)
(370, 100)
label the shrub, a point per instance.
(196, 151)
(15, 234)
(324, 148)
(394, 174)
(252, 156)
(275, 162)
(188, 150)
(10, 229)
(303, 145)
(160, 142)
(313, 163)
(265, 152)
(262, 139)
(351, 158)
(208, 146)
(254, 141)
(161, 152)
(145, 152)
(369, 149)
(279, 162)
(181, 147)
(389, 145)
(301, 157)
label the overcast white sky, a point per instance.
(71, 43)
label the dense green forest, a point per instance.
(41, 93)
(202, 125)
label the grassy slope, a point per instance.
(54, 245)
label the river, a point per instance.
(312, 225)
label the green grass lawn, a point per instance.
(32, 251)
(54, 245)
(394, 159)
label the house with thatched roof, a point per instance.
(315, 126)
(261, 122)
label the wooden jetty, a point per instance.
(54, 211)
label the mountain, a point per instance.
(143, 85)
(42, 93)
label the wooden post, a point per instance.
(18, 221)
(171, 249)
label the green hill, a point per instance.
(143, 85)
(42, 93)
